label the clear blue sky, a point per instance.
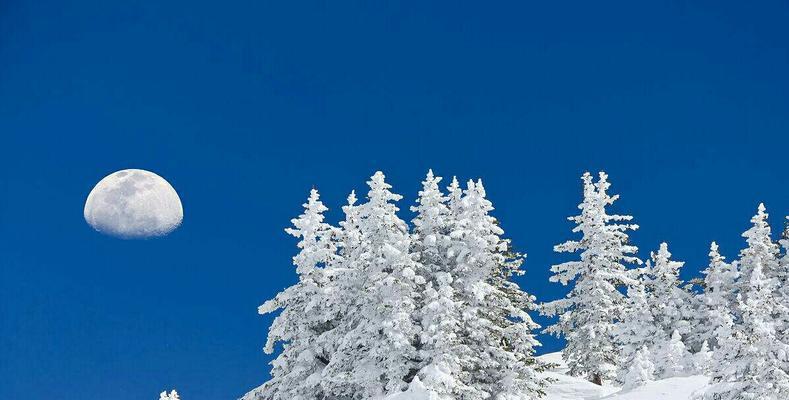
(243, 106)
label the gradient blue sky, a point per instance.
(243, 106)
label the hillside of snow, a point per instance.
(566, 387)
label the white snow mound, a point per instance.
(567, 387)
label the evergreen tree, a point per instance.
(588, 314)
(442, 351)
(717, 300)
(378, 354)
(782, 292)
(752, 362)
(670, 303)
(340, 302)
(702, 359)
(496, 326)
(672, 358)
(173, 395)
(761, 251)
(454, 198)
(637, 329)
(640, 369)
(296, 371)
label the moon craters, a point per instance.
(133, 203)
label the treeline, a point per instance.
(381, 306)
(631, 323)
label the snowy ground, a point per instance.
(565, 387)
(568, 388)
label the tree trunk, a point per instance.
(597, 379)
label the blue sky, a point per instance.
(244, 106)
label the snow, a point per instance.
(430, 312)
(596, 300)
(416, 391)
(566, 387)
(677, 388)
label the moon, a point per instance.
(133, 204)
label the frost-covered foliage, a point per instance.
(668, 301)
(672, 357)
(173, 395)
(442, 352)
(752, 362)
(702, 359)
(637, 329)
(658, 310)
(381, 310)
(640, 369)
(296, 371)
(716, 302)
(432, 312)
(761, 253)
(496, 326)
(589, 313)
(781, 275)
(378, 353)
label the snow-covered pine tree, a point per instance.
(442, 351)
(346, 274)
(636, 330)
(672, 358)
(640, 369)
(671, 304)
(782, 277)
(341, 300)
(595, 304)
(454, 198)
(717, 300)
(351, 235)
(702, 359)
(173, 395)
(297, 370)
(378, 354)
(496, 326)
(761, 250)
(752, 362)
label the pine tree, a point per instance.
(640, 369)
(637, 329)
(347, 274)
(297, 370)
(442, 350)
(454, 198)
(761, 251)
(594, 305)
(496, 326)
(340, 298)
(378, 354)
(717, 300)
(670, 303)
(351, 232)
(782, 278)
(672, 358)
(173, 395)
(752, 362)
(702, 359)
